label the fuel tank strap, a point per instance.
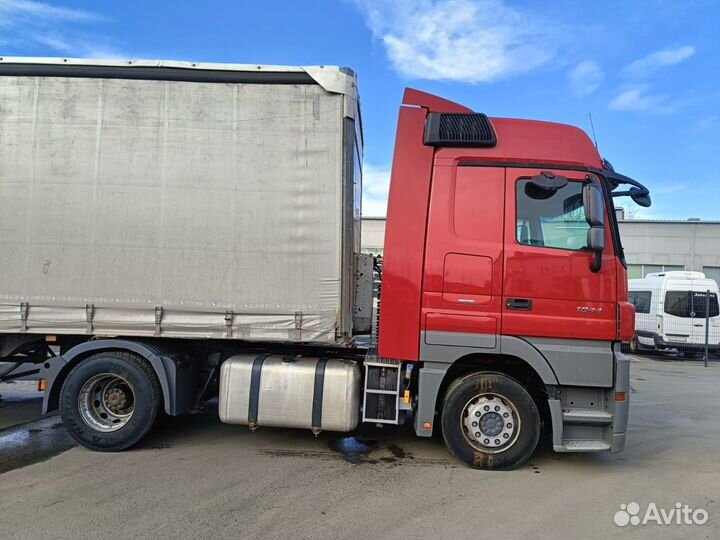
(318, 393)
(255, 388)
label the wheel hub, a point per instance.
(490, 423)
(116, 400)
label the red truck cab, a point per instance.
(503, 268)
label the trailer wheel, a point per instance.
(489, 421)
(110, 401)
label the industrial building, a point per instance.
(650, 245)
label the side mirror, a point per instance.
(640, 197)
(596, 239)
(595, 216)
(594, 205)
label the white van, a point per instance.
(670, 311)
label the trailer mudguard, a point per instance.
(175, 373)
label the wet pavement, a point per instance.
(353, 448)
(25, 437)
(196, 477)
(20, 402)
(32, 443)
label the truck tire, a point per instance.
(110, 401)
(489, 421)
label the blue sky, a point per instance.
(648, 71)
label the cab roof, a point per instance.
(527, 142)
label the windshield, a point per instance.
(612, 214)
(638, 193)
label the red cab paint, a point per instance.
(455, 258)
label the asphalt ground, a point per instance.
(196, 477)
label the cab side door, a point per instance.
(550, 289)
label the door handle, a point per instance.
(519, 304)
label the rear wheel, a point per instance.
(489, 421)
(634, 345)
(110, 401)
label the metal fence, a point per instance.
(679, 320)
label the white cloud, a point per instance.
(376, 184)
(53, 41)
(13, 10)
(460, 40)
(585, 78)
(647, 65)
(28, 24)
(81, 47)
(637, 99)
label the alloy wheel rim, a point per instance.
(106, 402)
(490, 423)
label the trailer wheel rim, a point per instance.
(106, 402)
(490, 423)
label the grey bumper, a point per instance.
(621, 413)
(600, 426)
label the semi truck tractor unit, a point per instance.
(172, 233)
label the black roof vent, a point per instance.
(459, 129)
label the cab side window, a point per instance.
(553, 219)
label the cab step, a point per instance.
(382, 391)
(587, 416)
(584, 446)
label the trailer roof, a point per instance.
(339, 80)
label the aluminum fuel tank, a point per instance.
(290, 391)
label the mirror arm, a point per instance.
(617, 179)
(596, 263)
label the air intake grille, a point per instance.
(452, 129)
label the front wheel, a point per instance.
(489, 421)
(110, 401)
